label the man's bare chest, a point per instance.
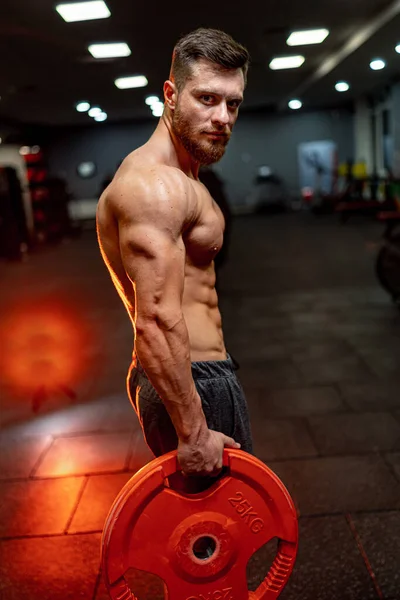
(204, 239)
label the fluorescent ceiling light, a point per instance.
(101, 117)
(150, 100)
(83, 11)
(295, 104)
(398, 48)
(377, 64)
(304, 38)
(95, 111)
(136, 81)
(342, 86)
(109, 50)
(82, 106)
(286, 62)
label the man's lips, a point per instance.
(216, 134)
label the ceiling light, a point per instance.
(342, 86)
(304, 38)
(109, 50)
(82, 106)
(286, 62)
(136, 81)
(95, 111)
(150, 100)
(157, 109)
(377, 64)
(83, 11)
(101, 117)
(398, 48)
(295, 104)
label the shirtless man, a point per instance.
(159, 231)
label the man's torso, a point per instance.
(203, 237)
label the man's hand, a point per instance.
(204, 456)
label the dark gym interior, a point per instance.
(308, 282)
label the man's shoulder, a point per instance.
(141, 186)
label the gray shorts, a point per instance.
(222, 398)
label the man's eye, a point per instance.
(207, 98)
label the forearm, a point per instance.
(164, 354)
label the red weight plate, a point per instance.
(200, 544)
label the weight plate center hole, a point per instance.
(204, 547)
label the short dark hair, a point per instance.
(213, 45)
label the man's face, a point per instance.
(207, 109)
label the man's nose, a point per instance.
(221, 114)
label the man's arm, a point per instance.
(150, 222)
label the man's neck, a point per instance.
(178, 156)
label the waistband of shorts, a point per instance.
(214, 368)
(207, 369)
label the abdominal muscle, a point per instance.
(202, 318)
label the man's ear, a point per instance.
(170, 94)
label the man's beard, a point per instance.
(207, 151)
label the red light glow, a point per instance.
(42, 348)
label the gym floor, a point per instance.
(318, 343)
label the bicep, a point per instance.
(154, 260)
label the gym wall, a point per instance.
(272, 140)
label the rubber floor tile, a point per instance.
(37, 507)
(87, 454)
(53, 568)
